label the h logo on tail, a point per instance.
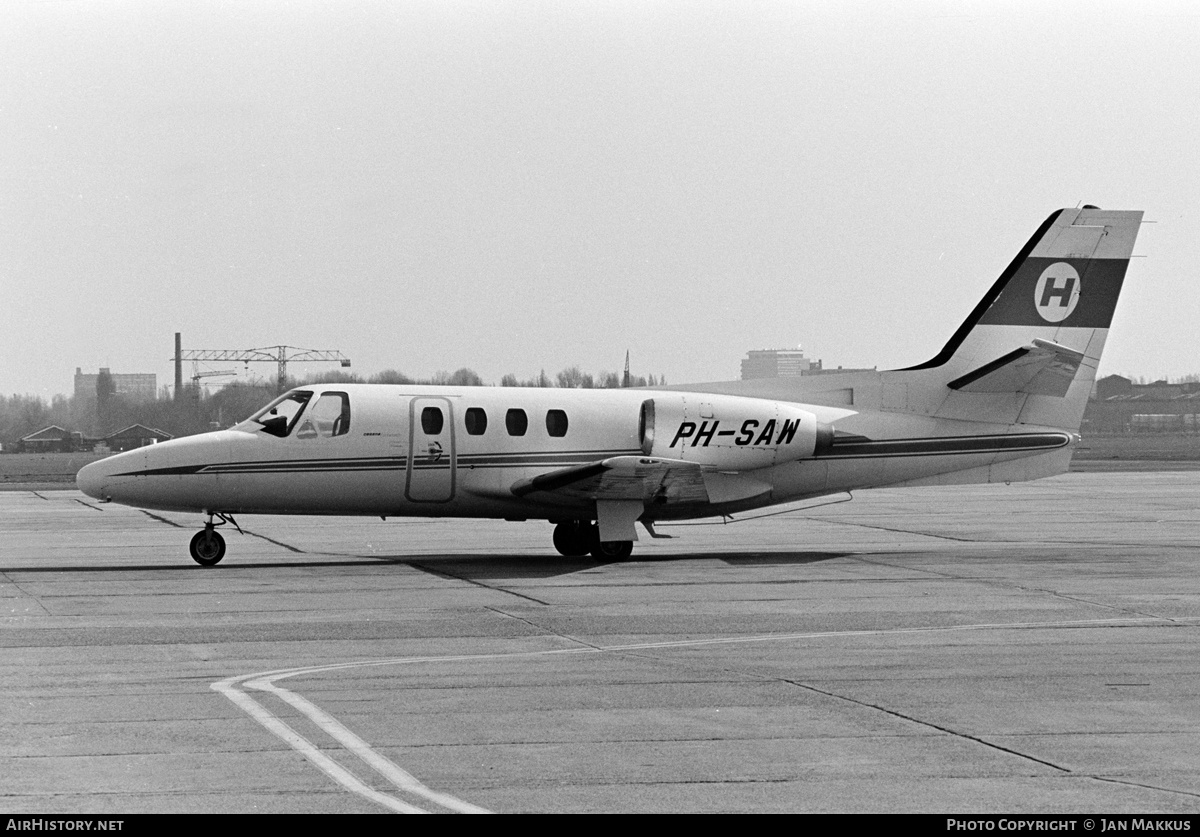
(1057, 292)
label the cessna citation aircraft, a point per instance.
(1001, 402)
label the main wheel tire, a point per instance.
(207, 548)
(612, 550)
(573, 539)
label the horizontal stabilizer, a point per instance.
(1041, 368)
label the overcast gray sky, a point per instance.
(512, 185)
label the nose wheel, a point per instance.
(207, 547)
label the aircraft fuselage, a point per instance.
(395, 460)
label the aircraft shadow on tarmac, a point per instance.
(479, 567)
(463, 565)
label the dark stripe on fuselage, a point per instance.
(278, 466)
(946, 445)
(388, 463)
(848, 447)
(506, 460)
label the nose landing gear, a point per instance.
(207, 546)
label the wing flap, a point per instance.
(1041, 368)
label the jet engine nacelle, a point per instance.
(729, 432)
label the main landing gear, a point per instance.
(207, 546)
(576, 538)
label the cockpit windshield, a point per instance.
(279, 417)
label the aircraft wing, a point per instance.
(1041, 368)
(648, 479)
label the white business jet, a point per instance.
(1002, 402)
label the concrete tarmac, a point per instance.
(1013, 649)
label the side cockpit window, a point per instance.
(279, 417)
(329, 417)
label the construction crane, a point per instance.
(223, 373)
(281, 356)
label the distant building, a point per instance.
(52, 439)
(784, 363)
(1107, 387)
(777, 363)
(1118, 405)
(134, 436)
(138, 386)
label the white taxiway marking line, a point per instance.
(309, 750)
(392, 772)
(265, 681)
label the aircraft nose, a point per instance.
(163, 476)
(100, 478)
(93, 479)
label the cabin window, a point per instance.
(476, 420)
(556, 423)
(278, 417)
(516, 422)
(432, 421)
(330, 416)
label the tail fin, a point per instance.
(1028, 352)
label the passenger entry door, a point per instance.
(431, 459)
